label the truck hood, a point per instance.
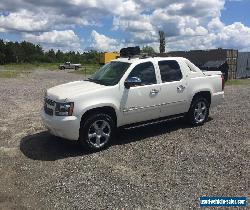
(68, 91)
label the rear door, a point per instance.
(141, 103)
(173, 88)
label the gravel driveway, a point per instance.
(165, 166)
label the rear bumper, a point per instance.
(64, 127)
(217, 98)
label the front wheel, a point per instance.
(97, 132)
(199, 111)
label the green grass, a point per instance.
(30, 67)
(8, 74)
(238, 82)
(87, 69)
(14, 70)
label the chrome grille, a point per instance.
(49, 102)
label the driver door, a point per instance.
(141, 103)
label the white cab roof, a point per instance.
(142, 60)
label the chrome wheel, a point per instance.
(200, 112)
(99, 133)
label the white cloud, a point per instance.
(235, 35)
(23, 21)
(192, 24)
(63, 40)
(141, 23)
(31, 21)
(103, 43)
(215, 25)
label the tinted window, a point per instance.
(170, 71)
(146, 72)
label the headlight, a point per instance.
(64, 109)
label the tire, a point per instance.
(62, 68)
(76, 68)
(97, 132)
(199, 111)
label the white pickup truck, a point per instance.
(130, 92)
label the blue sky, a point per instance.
(236, 11)
(108, 25)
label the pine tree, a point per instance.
(162, 42)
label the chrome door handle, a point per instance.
(181, 88)
(154, 91)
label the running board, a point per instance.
(152, 122)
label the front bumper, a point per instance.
(65, 127)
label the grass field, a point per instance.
(8, 74)
(30, 67)
(14, 70)
(88, 69)
(238, 82)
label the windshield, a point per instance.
(110, 74)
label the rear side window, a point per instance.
(170, 71)
(146, 72)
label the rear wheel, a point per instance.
(199, 111)
(97, 132)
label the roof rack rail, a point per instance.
(140, 56)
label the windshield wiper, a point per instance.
(93, 80)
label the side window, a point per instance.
(146, 72)
(170, 71)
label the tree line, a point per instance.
(26, 52)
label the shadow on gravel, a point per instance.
(132, 135)
(45, 147)
(127, 136)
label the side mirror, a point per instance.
(132, 81)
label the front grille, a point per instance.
(48, 111)
(49, 102)
(49, 106)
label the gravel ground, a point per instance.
(165, 166)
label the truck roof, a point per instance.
(140, 60)
(191, 66)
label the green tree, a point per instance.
(26, 52)
(149, 50)
(2, 52)
(9, 53)
(50, 56)
(162, 40)
(92, 57)
(59, 56)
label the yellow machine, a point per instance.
(108, 56)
